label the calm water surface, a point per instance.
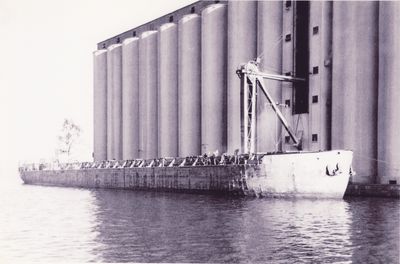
(51, 224)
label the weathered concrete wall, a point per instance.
(373, 190)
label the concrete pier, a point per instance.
(373, 190)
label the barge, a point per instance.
(323, 174)
(298, 174)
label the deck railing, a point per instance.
(204, 160)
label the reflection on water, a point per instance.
(179, 228)
(375, 228)
(46, 224)
(56, 224)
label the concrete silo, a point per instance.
(130, 98)
(355, 83)
(269, 49)
(213, 78)
(114, 103)
(148, 114)
(242, 47)
(168, 90)
(389, 93)
(189, 83)
(100, 105)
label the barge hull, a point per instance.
(280, 175)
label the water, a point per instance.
(51, 224)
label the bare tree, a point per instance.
(67, 138)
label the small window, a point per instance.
(192, 10)
(118, 40)
(315, 70)
(171, 19)
(287, 139)
(287, 103)
(288, 4)
(104, 45)
(315, 30)
(314, 137)
(134, 33)
(392, 182)
(315, 99)
(288, 37)
(288, 74)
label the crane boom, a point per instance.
(251, 79)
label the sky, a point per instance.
(46, 68)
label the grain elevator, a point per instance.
(169, 88)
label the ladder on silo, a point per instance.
(251, 80)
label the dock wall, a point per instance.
(373, 190)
